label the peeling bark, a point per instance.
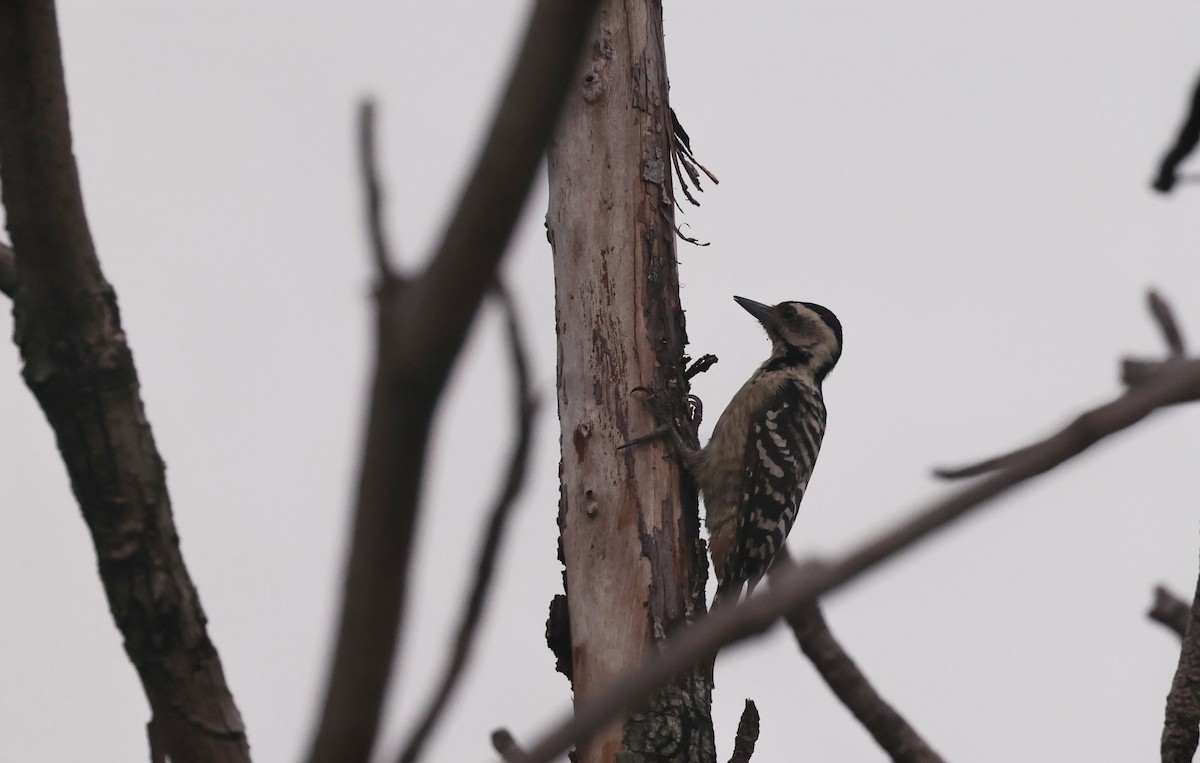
(635, 567)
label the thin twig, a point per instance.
(1164, 316)
(727, 625)
(399, 417)
(1170, 610)
(686, 168)
(690, 239)
(747, 734)
(1136, 371)
(893, 733)
(508, 748)
(1181, 726)
(982, 467)
(8, 270)
(683, 186)
(525, 407)
(683, 142)
(422, 324)
(372, 190)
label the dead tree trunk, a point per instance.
(635, 567)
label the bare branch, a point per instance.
(794, 588)
(1170, 610)
(79, 366)
(422, 324)
(372, 190)
(525, 407)
(897, 738)
(983, 467)
(399, 417)
(507, 746)
(8, 270)
(747, 734)
(1164, 316)
(1181, 728)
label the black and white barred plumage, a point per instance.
(782, 449)
(756, 466)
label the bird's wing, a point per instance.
(781, 449)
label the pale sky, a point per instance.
(964, 183)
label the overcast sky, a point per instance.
(964, 183)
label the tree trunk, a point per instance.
(635, 566)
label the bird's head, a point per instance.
(803, 335)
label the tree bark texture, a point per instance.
(79, 366)
(635, 566)
(1181, 728)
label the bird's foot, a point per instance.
(658, 432)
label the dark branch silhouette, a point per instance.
(747, 734)
(504, 744)
(373, 191)
(897, 738)
(1181, 728)
(799, 586)
(686, 164)
(1185, 143)
(79, 366)
(1171, 611)
(8, 270)
(1164, 316)
(525, 407)
(422, 323)
(1135, 371)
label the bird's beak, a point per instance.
(757, 309)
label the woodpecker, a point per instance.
(755, 468)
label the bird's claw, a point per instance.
(654, 435)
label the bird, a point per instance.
(756, 466)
